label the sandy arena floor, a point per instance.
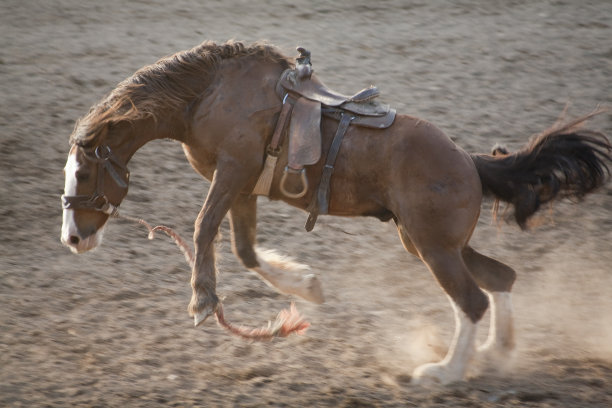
(110, 327)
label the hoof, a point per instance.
(435, 374)
(313, 291)
(200, 317)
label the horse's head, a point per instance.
(96, 183)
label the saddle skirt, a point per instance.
(304, 134)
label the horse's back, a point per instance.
(412, 156)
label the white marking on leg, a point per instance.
(501, 332)
(288, 276)
(462, 347)
(454, 365)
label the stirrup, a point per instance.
(303, 179)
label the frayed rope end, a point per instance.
(287, 322)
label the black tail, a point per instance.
(565, 161)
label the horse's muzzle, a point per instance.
(79, 241)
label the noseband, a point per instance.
(98, 201)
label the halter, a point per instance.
(106, 160)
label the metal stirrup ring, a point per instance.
(302, 173)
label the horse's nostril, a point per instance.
(74, 240)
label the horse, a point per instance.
(220, 102)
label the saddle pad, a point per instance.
(304, 134)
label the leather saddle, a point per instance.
(305, 100)
(313, 99)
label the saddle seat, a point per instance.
(362, 103)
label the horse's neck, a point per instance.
(142, 132)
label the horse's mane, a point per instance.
(166, 86)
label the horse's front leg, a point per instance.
(282, 274)
(225, 186)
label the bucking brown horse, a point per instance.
(222, 103)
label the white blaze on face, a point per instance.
(70, 236)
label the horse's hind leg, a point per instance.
(497, 279)
(469, 304)
(285, 276)
(444, 259)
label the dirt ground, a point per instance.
(110, 327)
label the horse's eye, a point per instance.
(82, 176)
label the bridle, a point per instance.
(107, 162)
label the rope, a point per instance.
(287, 322)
